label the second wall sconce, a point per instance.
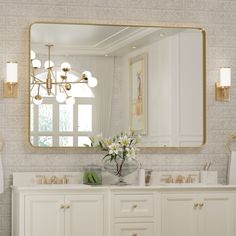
(10, 85)
(222, 88)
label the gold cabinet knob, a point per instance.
(135, 234)
(62, 206)
(201, 205)
(195, 205)
(67, 206)
(135, 206)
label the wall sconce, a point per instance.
(222, 87)
(10, 84)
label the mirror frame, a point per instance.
(146, 150)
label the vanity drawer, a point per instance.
(134, 229)
(134, 205)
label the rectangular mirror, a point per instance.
(87, 80)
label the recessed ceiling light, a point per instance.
(162, 34)
(106, 55)
(134, 47)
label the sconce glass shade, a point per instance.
(225, 77)
(11, 72)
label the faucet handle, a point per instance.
(179, 179)
(53, 179)
(41, 179)
(65, 179)
(168, 179)
(190, 178)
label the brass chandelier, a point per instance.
(62, 87)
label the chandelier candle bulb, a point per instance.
(92, 82)
(32, 55)
(36, 64)
(65, 66)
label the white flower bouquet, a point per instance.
(121, 151)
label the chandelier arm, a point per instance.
(32, 87)
(55, 79)
(38, 89)
(64, 90)
(37, 79)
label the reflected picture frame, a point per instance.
(138, 76)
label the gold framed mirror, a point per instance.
(88, 79)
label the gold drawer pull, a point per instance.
(195, 205)
(135, 206)
(201, 205)
(135, 234)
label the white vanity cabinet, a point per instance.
(198, 214)
(52, 213)
(79, 210)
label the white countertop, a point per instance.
(127, 187)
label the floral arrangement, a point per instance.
(120, 148)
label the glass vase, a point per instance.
(121, 168)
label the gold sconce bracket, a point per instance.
(222, 93)
(10, 90)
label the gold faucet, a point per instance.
(53, 180)
(179, 179)
(191, 178)
(65, 179)
(168, 179)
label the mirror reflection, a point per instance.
(103, 79)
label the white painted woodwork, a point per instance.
(62, 215)
(134, 205)
(84, 215)
(212, 216)
(178, 215)
(44, 215)
(74, 210)
(216, 217)
(134, 229)
(175, 90)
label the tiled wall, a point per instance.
(218, 17)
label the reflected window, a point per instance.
(45, 116)
(66, 141)
(45, 141)
(83, 140)
(58, 124)
(85, 117)
(66, 115)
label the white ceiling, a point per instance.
(93, 39)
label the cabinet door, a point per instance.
(44, 215)
(216, 215)
(179, 216)
(134, 229)
(84, 215)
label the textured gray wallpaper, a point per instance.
(218, 17)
